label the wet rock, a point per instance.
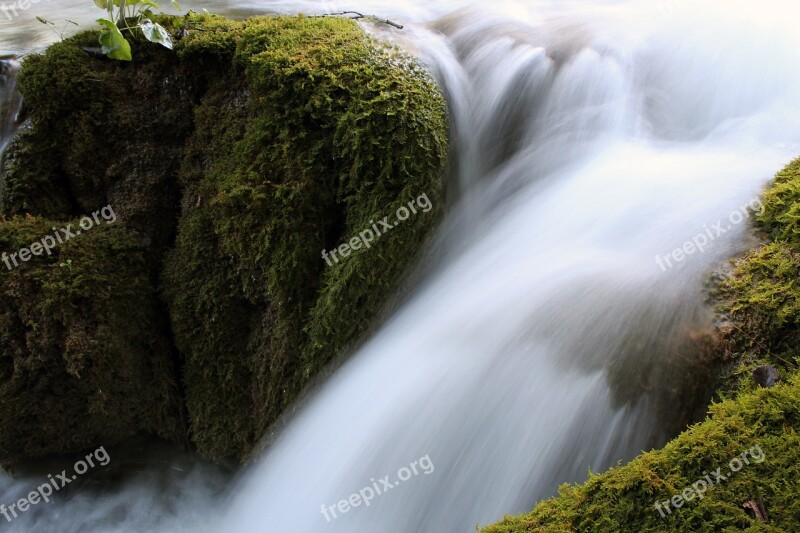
(766, 376)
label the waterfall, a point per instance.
(608, 155)
(10, 109)
(10, 101)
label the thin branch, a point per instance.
(355, 15)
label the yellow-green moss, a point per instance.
(761, 303)
(781, 216)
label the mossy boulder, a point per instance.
(321, 133)
(238, 158)
(760, 304)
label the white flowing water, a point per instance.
(591, 137)
(10, 101)
(556, 330)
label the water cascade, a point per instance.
(560, 331)
(10, 101)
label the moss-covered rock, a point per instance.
(239, 158)
(322, 132)
(81, 361)
(760, 302)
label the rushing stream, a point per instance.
(557, 331)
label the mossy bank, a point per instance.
(232, 163)
(760, 307)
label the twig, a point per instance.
(359, 16)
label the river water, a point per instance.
(559, 330)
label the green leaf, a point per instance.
(114, 44)
(176, 5)
(103, 4)
(156, 33)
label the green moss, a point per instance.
(81, 364)
(211, 40)
(53, 81)
(781, 216)
(762, 298)
(760, 301)
(322, 131)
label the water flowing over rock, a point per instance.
(562, 330)
(10, 106)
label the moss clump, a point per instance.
(80, 364)
(322, 132)
(781, 214)
(761, 301)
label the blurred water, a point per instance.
(144, 487)
(590, 138)
(10, 103)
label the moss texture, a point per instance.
(323, 132)
(80, 363)
(238, 159)
(760, 302)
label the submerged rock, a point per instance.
(232, 164)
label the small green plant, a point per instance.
(129, 15)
